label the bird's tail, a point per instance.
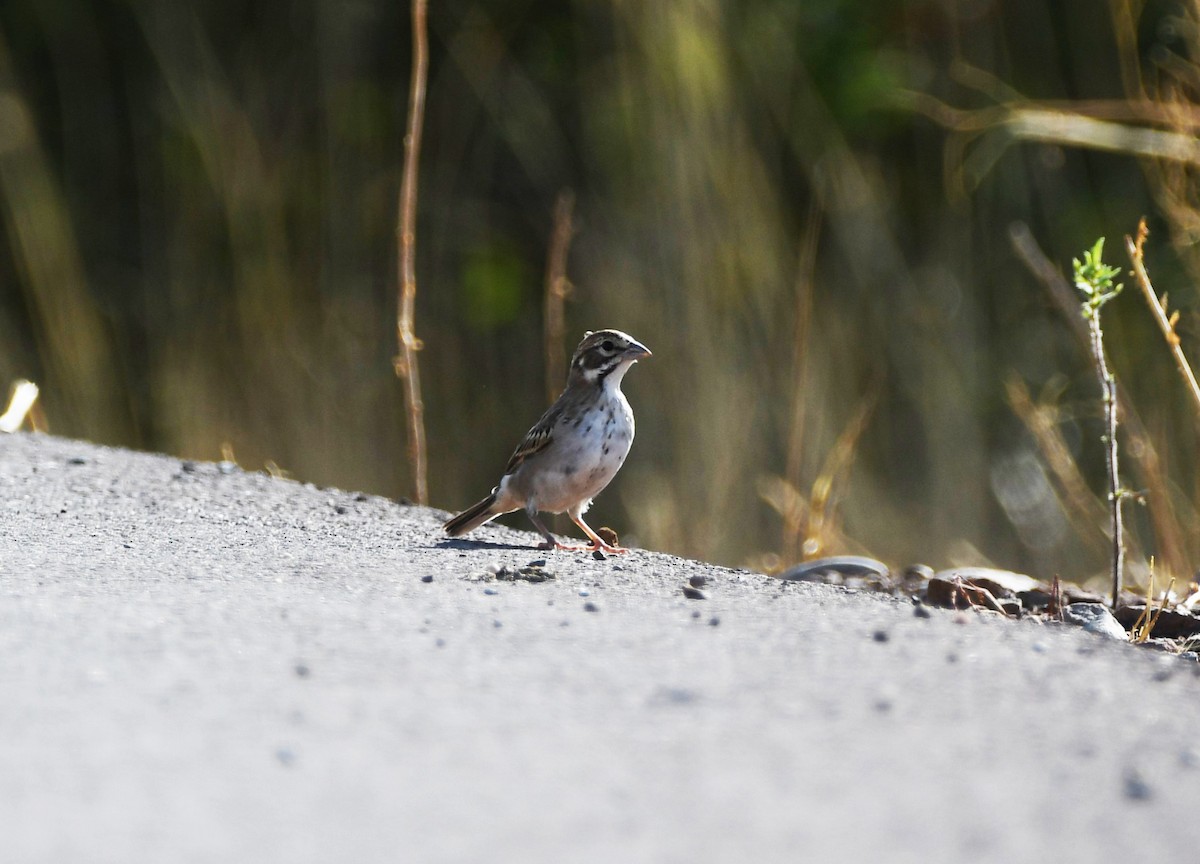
(474, 516)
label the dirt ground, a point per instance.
(202, 664)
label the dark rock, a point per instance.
(590, 607)
(714, 621)
(1012, 606)
(693, 593)
(428, 577)
(697, 581)
(880, 636)
(608, 535)
(958, 593)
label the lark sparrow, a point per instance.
(574, 450)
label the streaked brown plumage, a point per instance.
(574, 450)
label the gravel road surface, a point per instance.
(200, 664)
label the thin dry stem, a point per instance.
(1143, 628)
(557, 289)
(793, 519)
(406, 361)
(834, 476)
(1108, 386)
(1158, 307)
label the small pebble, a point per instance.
(598, 555)
(590, 607)
(493, 568)
(1136, 788)
(490, 591)
(920, 610)
(695, 613)
(693, 593)
(286, 756)
(76, 460)
(341, 510)
(697, 581)
(541, 562)
(714, 621)
(439, 642)
(302, 671)
(497, 624)
(583, 592)
(428, 577)
(226, 467)
(880, 636)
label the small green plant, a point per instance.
(1094, 279)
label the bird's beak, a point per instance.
(637, 351)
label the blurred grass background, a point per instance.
(198, 208)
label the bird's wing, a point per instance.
(536, 439)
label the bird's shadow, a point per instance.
(468, 545)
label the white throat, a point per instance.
(612, 381)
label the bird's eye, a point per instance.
(607, 345)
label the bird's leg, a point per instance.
(597, 543)
(551, 542)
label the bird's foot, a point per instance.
(588, 547)
(605, 547)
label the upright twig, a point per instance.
(793, 517)
(1158, 306)
(406, 361)
(1144, 452)
(557, 289)
(1094, 279)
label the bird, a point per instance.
(574, 450)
